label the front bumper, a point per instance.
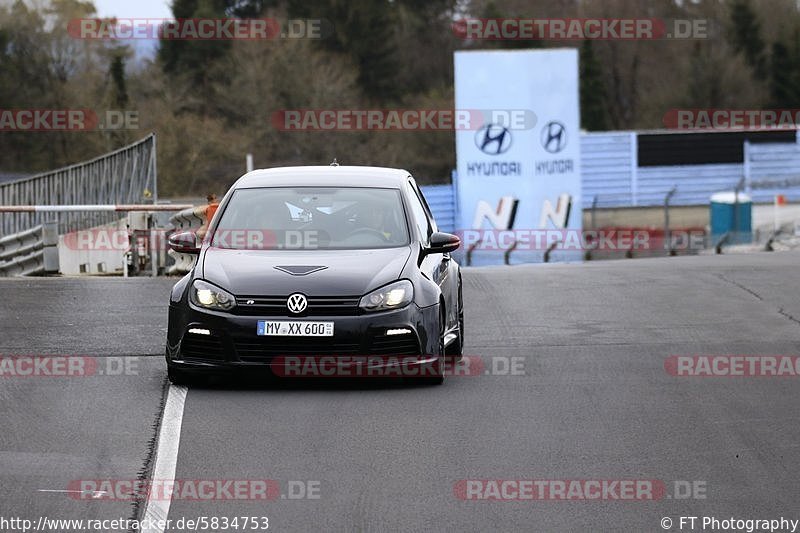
(233, 342)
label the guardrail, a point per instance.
(30, 252)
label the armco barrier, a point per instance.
(29, 252)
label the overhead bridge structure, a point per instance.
(34, 211)
(125, 176)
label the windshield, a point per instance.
(305, 218)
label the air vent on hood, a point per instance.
(300, 270)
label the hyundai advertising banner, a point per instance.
(519, 176)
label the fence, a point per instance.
(120, 177)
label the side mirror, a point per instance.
(185, 242)
(442, 243)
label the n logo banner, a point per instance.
(520, 175)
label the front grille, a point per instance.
(267, 349)
(194, 346)
(317, 306)
(395, 345)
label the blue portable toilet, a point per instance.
(733, 215)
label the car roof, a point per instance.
(319, 176)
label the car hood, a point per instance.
(346, 272)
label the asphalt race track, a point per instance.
(589, 398)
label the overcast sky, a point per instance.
(138, 9)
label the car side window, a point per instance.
(420, 215)
(425, 205)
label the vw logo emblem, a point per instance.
(554, 137)
(297, 303)
(493, 139)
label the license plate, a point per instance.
(298, 328)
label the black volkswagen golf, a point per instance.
(337, 270)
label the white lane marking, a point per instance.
(166, 456)
(94, 493)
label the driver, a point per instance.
(375, 219)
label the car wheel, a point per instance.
(455, 351)
(438, 377)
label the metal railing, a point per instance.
(30, 252)
(667, 234)
(125, 176)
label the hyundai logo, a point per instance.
(554, 137)
(297, 303)
(493, 139)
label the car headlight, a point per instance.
(392, 296)
(204, 294)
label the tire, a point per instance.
(456, 349)
(438, 378)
